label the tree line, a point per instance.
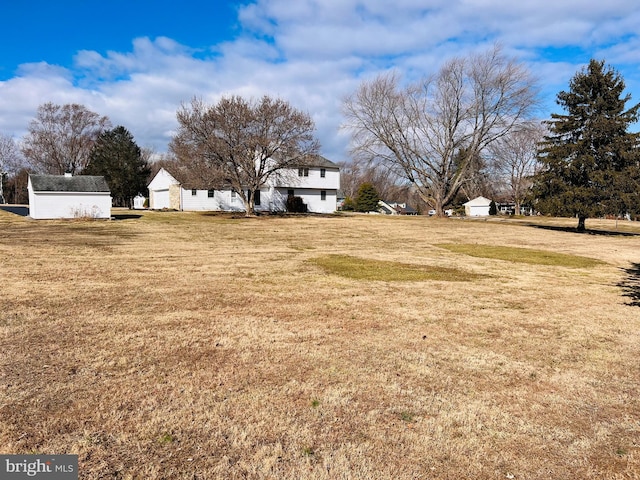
(237, 143)
(72, 139)
(469, 129)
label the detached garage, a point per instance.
(66, 196)
(164, 191)
(478, 207)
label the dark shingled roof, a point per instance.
(318, 161)
(62, 183)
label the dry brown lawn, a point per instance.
(187, 346)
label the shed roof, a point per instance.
(63, 183)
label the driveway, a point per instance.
(22, 210)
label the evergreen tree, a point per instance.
(116, 156)
(367, 199)
(349, 204)
(590, 162)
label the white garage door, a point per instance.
(160, 199)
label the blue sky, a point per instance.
(54, 31)
(137, 61)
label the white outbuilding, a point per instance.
(68, 196)
(138, 202)
(478, 207)
(164, 191)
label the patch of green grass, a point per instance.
(366, 269)
(621, 451)
(406, 417)
(301, 248)
(521, 255)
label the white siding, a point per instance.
(273, 196)
(52, 205)
(228, 202)
(478, 207)
(476, 211)
(162, 180)
(312, 198)
(290, 178)
(159, 197)
(309, 188)
(200, 201)
(138, 202)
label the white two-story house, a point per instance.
(316, 182)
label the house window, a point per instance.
(194, 192)
(303, 172)
(210, 194)
(323, 194)
(323, 172)
(256, 197)
(290, 193)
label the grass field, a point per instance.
(191, 346)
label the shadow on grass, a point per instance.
(126, 216)
(631, 284)
(608, 233)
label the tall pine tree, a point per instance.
(116, 156)
(590, 160)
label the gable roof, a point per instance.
(317, 161)
(478, 202)
(162, 174)
(179, 175)
(63, 183)
(406, 210)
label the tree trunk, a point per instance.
(439, 207)
(248, 204)
(581, 221)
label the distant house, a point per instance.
(68, 196)
(404, 209)
(385, 208)
(395, 208)
(478, 207)
(316, 182)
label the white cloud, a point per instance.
(314, 52)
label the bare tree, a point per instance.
(431, 132)
(60, 138)
(11, 159)
(478, 180)
(10, 162)
(149, 154)
(514, 159)
(242, 143)
(388, 184)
